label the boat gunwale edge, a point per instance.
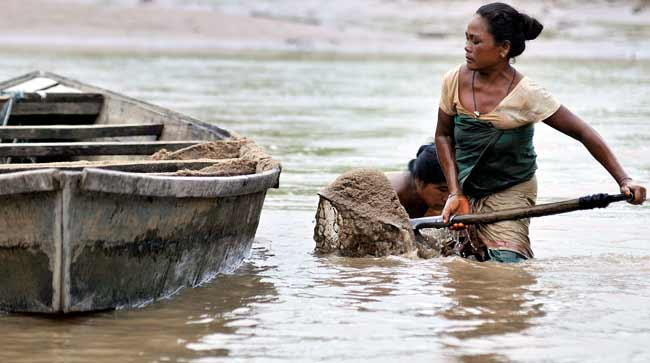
(119, 182)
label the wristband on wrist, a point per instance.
(458, 194)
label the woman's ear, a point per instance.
(504, 49)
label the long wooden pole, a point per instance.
(587, 202)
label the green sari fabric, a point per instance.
(490, 160)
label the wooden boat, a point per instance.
(88, 221)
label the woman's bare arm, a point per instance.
(569, 124)
(457, 203)
(445, 150)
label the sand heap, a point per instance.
(227, 167)
(226, 149)
(359, 214)
(237, 156)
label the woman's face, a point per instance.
(435, 195)
(481, 51)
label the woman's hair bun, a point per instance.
(507, 24)
(530, 26)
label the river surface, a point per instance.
(585, 297)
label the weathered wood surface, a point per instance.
(75, 132)
(59, 103)
(109, 181)
(29, 181)
(139, 166)
(61, 89)
(110, 238)
(120, 109)
(91, 148)
(33, 85)
(139, 249)
(29, 242)
(130, 251)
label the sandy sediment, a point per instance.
(242, 154)
(227, 167)
(238, 156)
(226, 149)
(131, 164)
(359, 214)
(232, 157)
(606, 29)
(71, 25)
(250, 151)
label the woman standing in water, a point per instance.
(484, 135)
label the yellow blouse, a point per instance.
(526, 103)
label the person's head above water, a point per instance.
(430, 183)
(498, 32)
(426, 166)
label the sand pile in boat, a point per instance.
(250, 151)
(226, 149)
(227, 167)
(239, 156)
(359, 214)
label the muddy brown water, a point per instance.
(584, 298)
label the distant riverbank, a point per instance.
(609, 30)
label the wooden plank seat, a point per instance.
(91, 148)
(58, 103)
(136, 166)
(78, 132)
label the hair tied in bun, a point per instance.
(531, 27)
(507, 24)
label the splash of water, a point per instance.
(446, 242)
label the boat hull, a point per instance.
(93, 240)
(28, 252)
(89, 220)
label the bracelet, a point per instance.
(458, 194)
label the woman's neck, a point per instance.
(491, 74)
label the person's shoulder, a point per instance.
(399, 180)
(452, 74)
(449, 92)
(531, 86)
(540, 103)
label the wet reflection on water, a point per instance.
(490, 298)
(163, 331)
(364, 280)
